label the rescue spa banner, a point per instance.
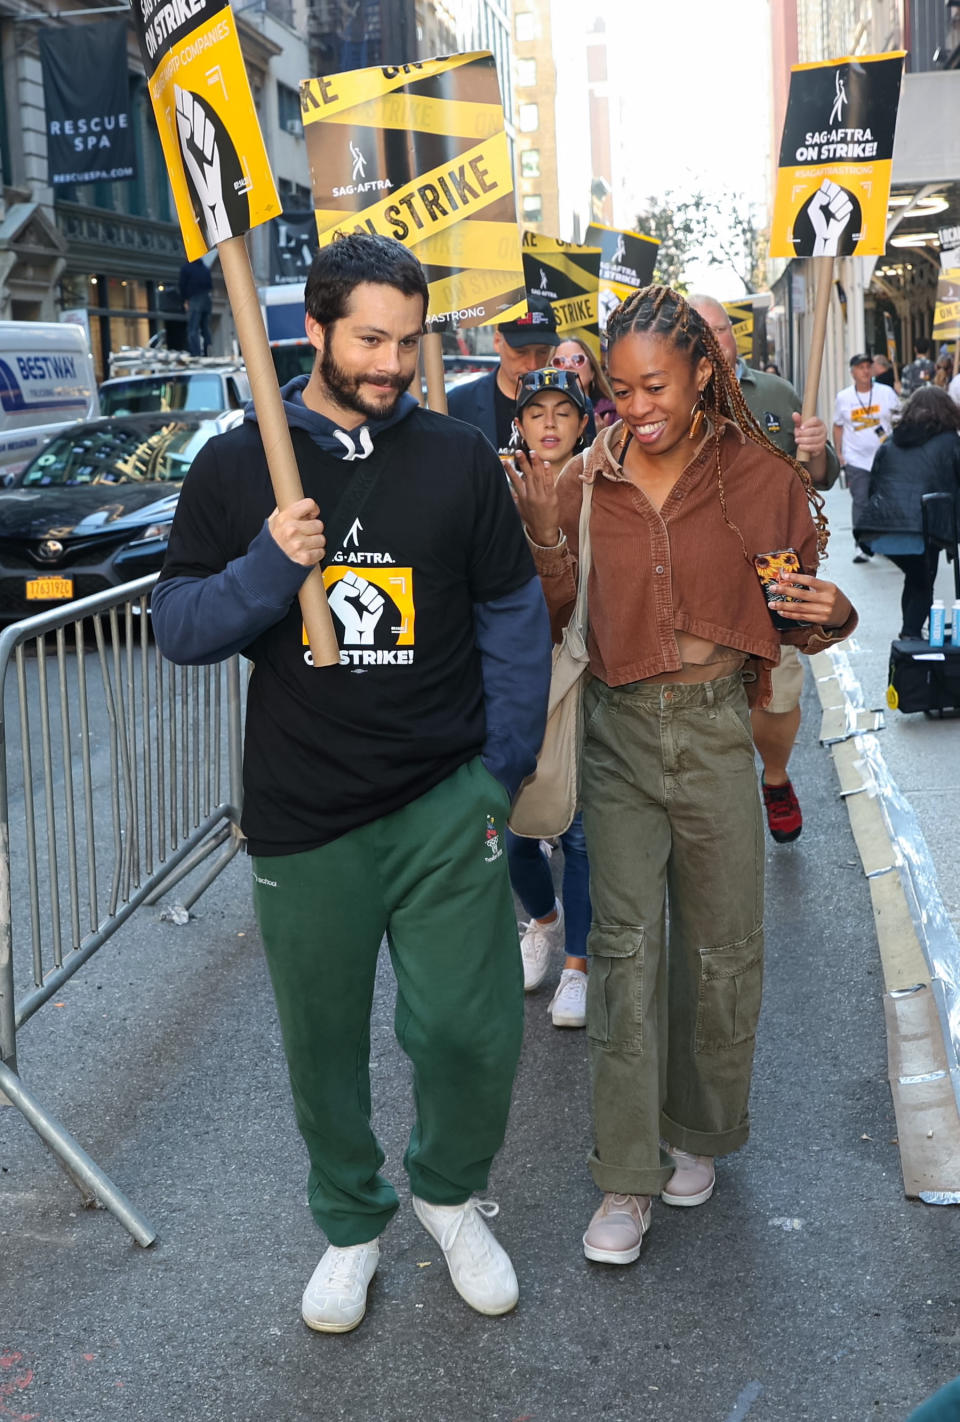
(627, 260)
(946, 316)
(419, 153)
(218, 168)
(568, 275)
(293, 244)
(836, 153)
(86, 92)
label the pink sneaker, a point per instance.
(616, 1232)
(692, 1181)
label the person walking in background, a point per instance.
(196, 287)
(943, 373)
(551, 423)
(527, 344)
(883, 373)
(573, 353)
(921, 457)
(687, 492)
(953, 389)
(862, 420)
(777, 408)
(920, 371)
(376, 791)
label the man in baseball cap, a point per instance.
(862, 419)
(523, 345)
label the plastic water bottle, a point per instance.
(938, 616)
(955, 623)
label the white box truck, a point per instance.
(47, 382)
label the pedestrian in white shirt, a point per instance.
(862, 420)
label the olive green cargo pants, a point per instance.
(672, 817)
(432, 876)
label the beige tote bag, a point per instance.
(547, 800)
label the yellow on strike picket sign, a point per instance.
(946, 317)
(833, 181)
(419, 153)
(216, 160)
(742, 321)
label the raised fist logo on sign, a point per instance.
(214, 175)
(829, 222)
(830, 210)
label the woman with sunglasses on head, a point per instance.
(550, 423)
(687, 493)
(574, 354)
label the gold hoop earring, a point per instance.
(696, 417)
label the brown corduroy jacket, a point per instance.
(682, 567)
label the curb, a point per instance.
(919, 949)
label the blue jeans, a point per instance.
(533, 883)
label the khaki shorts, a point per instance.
(787, 681)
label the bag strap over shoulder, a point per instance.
(576, 630)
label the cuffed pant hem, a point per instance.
(347, 1230)
(623, 1180)
(710, 1143)
(427, 1196)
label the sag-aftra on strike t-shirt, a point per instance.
(330, 748)
(866, 421)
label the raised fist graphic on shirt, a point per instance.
(830, 211)
(359, 606)
(201, 160)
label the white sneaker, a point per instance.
(479, 1267)
(335, 1299)
(568, 1006)
(537, 943)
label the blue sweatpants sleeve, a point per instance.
(197, 621)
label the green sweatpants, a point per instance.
(432, 876)
(671, 813)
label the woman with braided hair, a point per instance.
(687, 492)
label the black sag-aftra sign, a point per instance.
(87, 97)
(836, 155)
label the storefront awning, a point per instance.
(926, 149)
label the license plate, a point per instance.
(49, 589)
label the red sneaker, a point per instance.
(784, 819)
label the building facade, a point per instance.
(110, 253)
(535, 117)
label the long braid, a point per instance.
(662, 311)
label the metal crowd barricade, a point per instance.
(128, 768)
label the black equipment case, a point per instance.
(925, 678)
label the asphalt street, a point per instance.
(809, 1288)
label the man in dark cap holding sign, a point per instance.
(376, 791)
(489, 402)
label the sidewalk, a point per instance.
(922, 755)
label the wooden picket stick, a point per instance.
(431, 347)
(275, 432)
(823, 273)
